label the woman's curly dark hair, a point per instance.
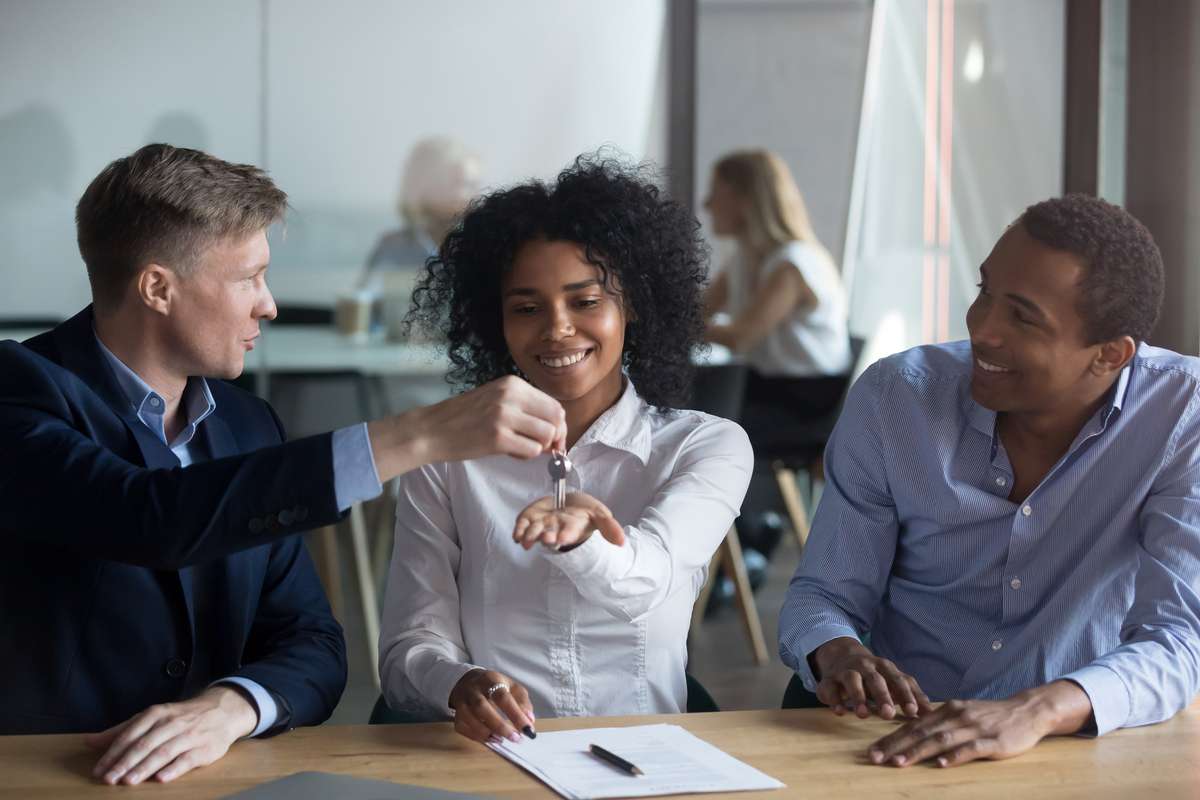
(626, 227)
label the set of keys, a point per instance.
(559, 468)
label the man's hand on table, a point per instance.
(852, 678)
(168, 740)
(965, 730)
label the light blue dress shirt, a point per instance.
(355, 476)
(1093, 577)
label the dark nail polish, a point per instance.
(528, 731)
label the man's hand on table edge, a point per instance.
(852, 678)
(170, 739)
(966, 730)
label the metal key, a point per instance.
(559, 468)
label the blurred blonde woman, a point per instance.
(782, 289)
(786, 308)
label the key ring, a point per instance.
(496, 687)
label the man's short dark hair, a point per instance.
(1121, 292)
(166, 205)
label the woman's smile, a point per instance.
(565, 360)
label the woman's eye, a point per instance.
(981, 287)
(589, 302)
(524, 309)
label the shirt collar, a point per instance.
(148, 404)
(984, 419)
(624, 426)
(1122, 385)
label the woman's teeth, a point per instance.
(563, 361)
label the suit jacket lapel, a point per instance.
(220, 439)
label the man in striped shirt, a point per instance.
(1013, 522)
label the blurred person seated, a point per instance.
(439, 178)
(786, 312)
(1014, 519)
(782, 290)
(153, 589)
(499, 609)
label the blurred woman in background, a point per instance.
(782, 290)
(784, 309)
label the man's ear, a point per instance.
(156, 288)
(1114, 355)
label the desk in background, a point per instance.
(815, 753)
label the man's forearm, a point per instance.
(398, 444)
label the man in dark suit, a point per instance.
(152, 587)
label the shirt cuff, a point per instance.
(1109, 696)
(355, 478)
(440, 680)
(795, 652)
(597, 561)
(264, 704)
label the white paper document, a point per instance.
(673, 760)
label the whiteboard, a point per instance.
(328, 97)
(82, 83)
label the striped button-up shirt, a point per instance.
(1093, 577)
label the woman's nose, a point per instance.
(558, 326)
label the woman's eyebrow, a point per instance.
(571, 287)
(568, 287)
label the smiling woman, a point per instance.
(505, 607)
(643, 246)
(564, 325)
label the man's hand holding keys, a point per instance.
(506, 416)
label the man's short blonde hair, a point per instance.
(166, 205)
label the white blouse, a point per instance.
(808, 341)
(597, 630)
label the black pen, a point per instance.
(613, 759)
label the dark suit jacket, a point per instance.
(126, 580)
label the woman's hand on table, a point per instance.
(567, 527)
(490, 704)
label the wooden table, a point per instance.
(816, 754)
